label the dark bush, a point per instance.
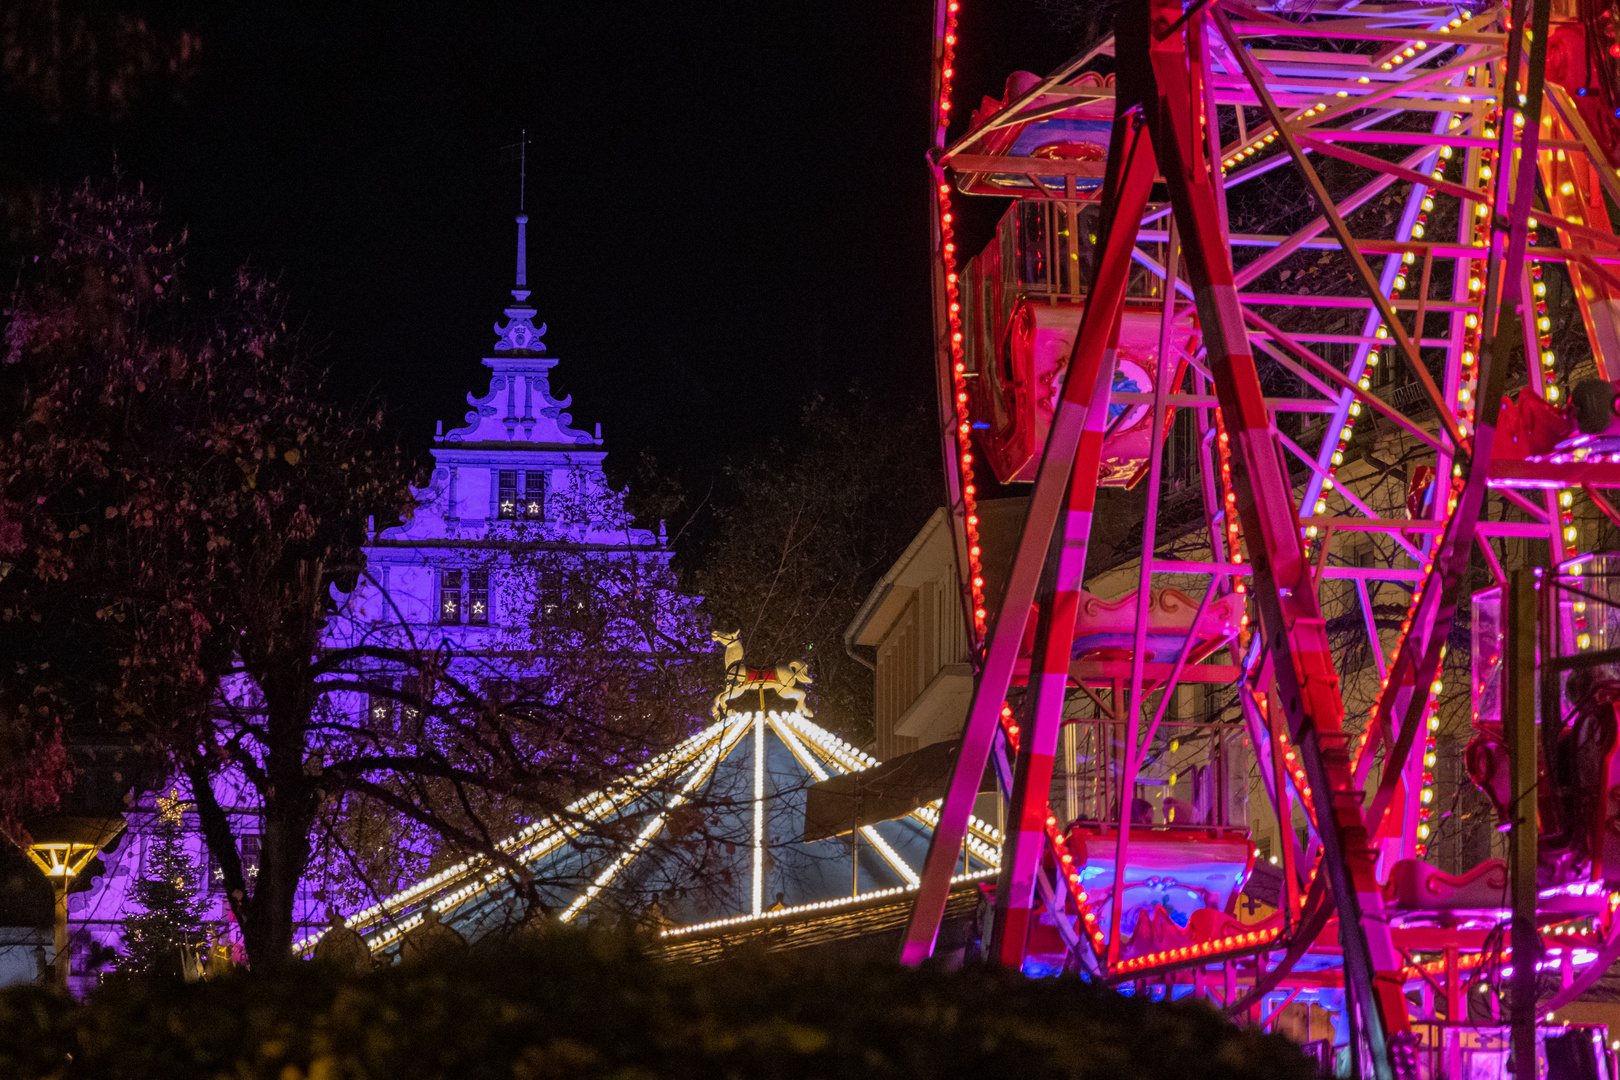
(584, 1005)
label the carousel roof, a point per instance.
(706, 838)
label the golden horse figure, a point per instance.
(787, 681)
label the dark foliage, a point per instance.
(74, 57)
(594, 1005)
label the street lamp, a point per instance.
(62, 847)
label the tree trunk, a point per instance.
(285, 817)
(288, 803)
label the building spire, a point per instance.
(520, 333)
(521, 292)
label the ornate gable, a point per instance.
(519, 406)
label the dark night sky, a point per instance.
(727, 200)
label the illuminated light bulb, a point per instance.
(1544, 323)
(1471, 321)
(1400, 282)
(1484, 172)
(1552, 393)
(1417, 231)
(1566, 188)
(1584, 641)
(1548, 358)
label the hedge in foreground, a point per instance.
(589, 1005)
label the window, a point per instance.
(250, 859)
(250, 866)
(564, 598)
(534, 496)
(449, 596)
(478, 597)
(380, 707)
(554, 598)
(421, 688)
(506, 509)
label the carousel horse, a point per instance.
(785, 680)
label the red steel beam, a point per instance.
(1071, 443)
(1026, 839)
(1290, 616)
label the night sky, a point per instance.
(727, 201)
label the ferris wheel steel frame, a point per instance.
(1485, 86)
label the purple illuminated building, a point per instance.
(516, 504)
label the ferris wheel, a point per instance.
(1293, 274)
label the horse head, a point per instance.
(799, 672)
(727, 638)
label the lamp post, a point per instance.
(62, 847)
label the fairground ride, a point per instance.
(1457, 169)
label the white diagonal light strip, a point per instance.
(592, 807)
(808, 760)
(699, 775)
(852, 760)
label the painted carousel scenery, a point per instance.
(514, 568)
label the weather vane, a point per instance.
(518, 152)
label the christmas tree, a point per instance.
(170, 918)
